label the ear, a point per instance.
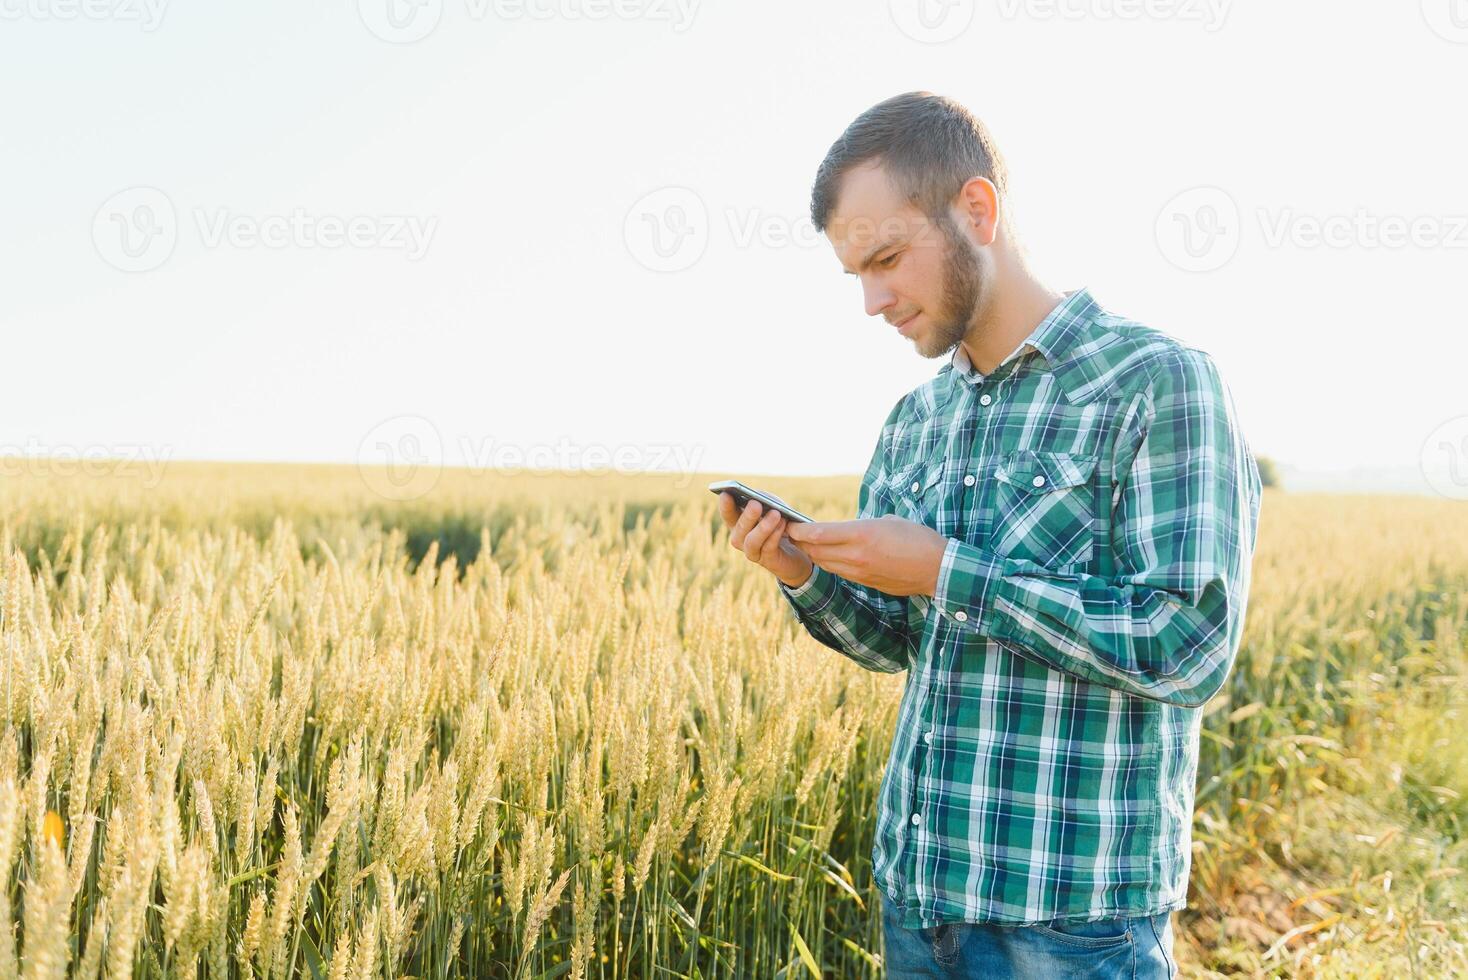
(978, 200)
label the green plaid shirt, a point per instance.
(1100, 503)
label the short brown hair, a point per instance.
(929, 145)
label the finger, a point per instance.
(754, 541)
(837, 532)
(842, 569)
(825, 532)
(747, 519)
(839, 561)
(824, 548)
(727, 510)
(771, 547)
(803, 531)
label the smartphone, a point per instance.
(743, 495)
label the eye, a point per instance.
(890, 261)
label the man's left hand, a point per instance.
(889, 554)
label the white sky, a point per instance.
(518, 138)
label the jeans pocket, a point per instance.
(1098, 934)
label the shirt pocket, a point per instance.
(913, 492)
(1044, 508)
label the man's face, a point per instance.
(925, 275)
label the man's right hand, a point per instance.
(761, 536)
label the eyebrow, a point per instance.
(866, 260)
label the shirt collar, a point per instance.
(1057, 338)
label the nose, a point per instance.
(877, 297)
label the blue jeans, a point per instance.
(1131, 948)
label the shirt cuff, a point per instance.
(967, 578)
(814, 594)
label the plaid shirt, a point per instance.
(1100, 503)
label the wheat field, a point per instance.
(260, 722)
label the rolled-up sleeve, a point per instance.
(1167, 624)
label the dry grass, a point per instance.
(260, 722)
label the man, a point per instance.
(1054, 542)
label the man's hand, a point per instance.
(889, 554)
(761, 537)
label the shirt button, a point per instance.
(968, 481)
(928, 736)
(961, 616)
(916, 486)
(984, 399)
(1038, 481)
(916, 819)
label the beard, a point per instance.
(963, 292)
